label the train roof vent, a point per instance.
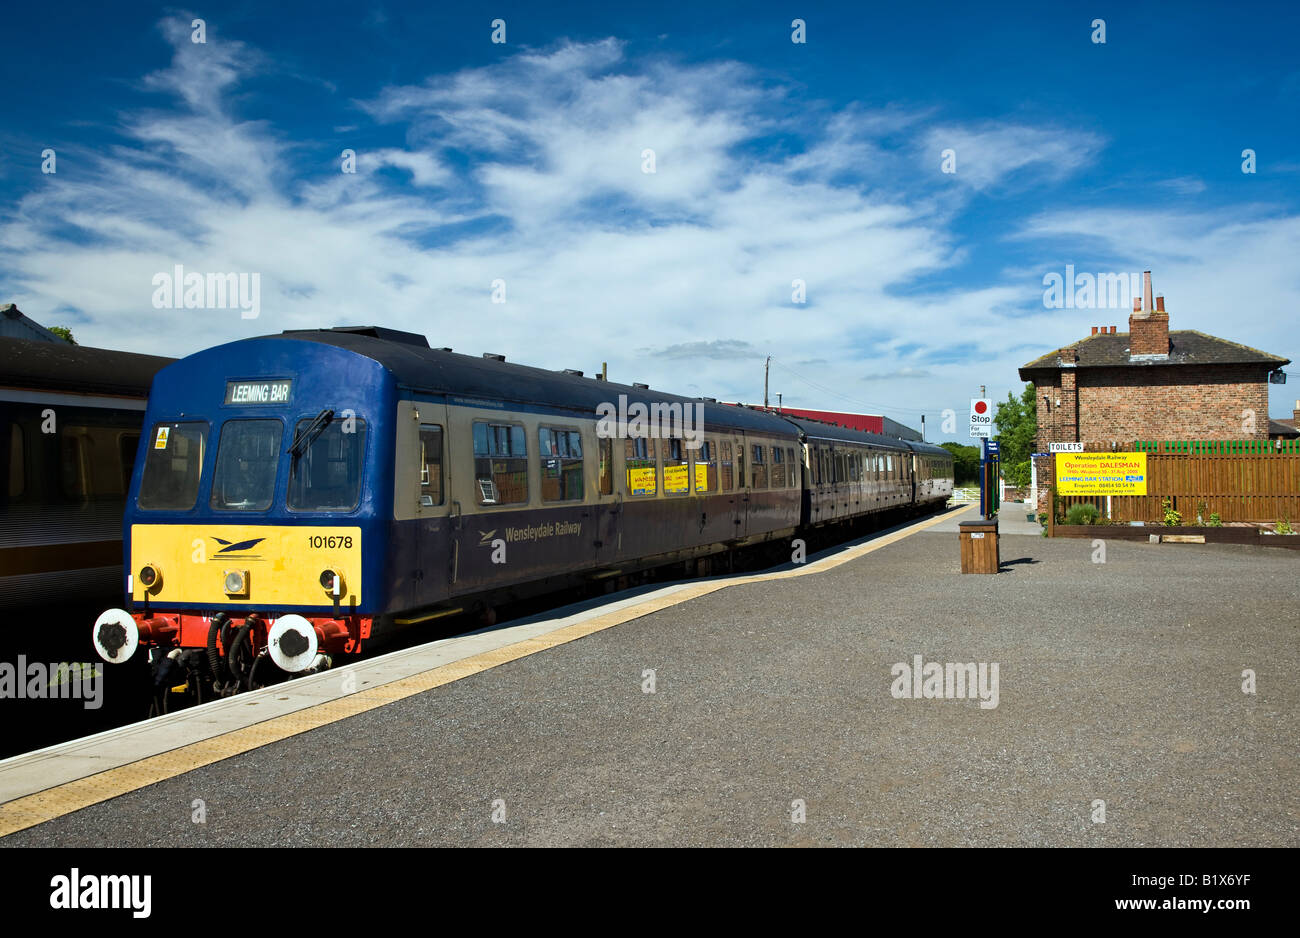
(709, 400)
(638, 384)
(573, 371)
(495, 357)
(388, 335)
(446, 348)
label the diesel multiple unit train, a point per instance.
(297, 495)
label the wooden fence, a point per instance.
(1239, 480)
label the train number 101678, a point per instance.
(331, 542)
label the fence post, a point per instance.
(1051, 512)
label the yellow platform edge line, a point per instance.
(40, 807)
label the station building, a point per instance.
(1110, 389)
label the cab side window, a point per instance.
(431, 488)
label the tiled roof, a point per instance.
(1187, 347)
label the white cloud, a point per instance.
(529, 170)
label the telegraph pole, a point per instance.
(766, 367)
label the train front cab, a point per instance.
(253, 519)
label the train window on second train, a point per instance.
(639, 460)
(677, 480)
(792, 475)
(758, 468)
(561, 461)
(172, 465)
(500, 463)
(17, 462)
(430, 465)
(727, 468)
(706, 468)
(606, 466)
(326, 476)
(248, 455)
(778, 468)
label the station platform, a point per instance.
(771, 720)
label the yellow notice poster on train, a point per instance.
(676, 479)
(1101, 473)
(641, 481)
(701, 477)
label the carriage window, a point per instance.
(91, 464)
(17, 462)
(706, 468)
(792, 471)
(853, 467)
(430, 465)
(889, 465)
(606, 466)
(561, 462)
(758, 467)
(639, 457)
(727, 468)
(326, 476)
(778, 468)
(677, 480)
(172, 464)
(500, 463)
(248, 455)
(129, 445)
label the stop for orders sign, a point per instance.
(981, 417)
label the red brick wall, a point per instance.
(1152, 402)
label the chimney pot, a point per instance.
(1094, 330)
(1146, 291)
(1112, 329)
(1137, 304)
(1160, 304)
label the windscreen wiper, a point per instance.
(308, 434)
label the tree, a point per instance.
(1017, 422)
(965, 462)
(64, 333)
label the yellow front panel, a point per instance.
(283, 564)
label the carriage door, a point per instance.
(607, 512)
(740, 503)
(422, 501)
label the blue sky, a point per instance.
(774, 162)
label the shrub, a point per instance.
(1215, 521)
(1172, 518)
(1017, 475)
(1082, 514)
(1284, 527)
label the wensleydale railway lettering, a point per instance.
(539, 531)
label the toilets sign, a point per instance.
(981, 417)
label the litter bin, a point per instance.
(979, 546)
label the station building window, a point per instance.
(561, 463)
(500, 463)
(639, 461)
(431, 489)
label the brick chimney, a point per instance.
(1149, 326)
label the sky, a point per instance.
(679, 190)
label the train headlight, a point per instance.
(236, 582)
(151, 577)
(331, 581)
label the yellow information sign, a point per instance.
(701, 477)
(676, 480)
(641, 481)
(1101, 473)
